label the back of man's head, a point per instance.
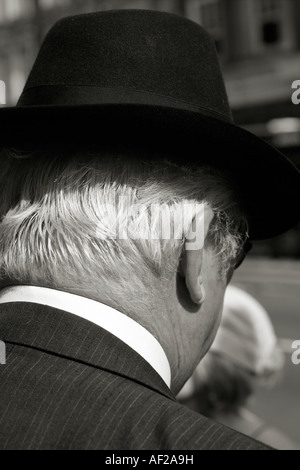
(75, 220)
(114, 227)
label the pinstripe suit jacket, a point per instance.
(69, 384)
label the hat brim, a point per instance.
(268, 184)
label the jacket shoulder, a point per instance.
(52, 402)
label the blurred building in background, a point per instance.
(258, 43)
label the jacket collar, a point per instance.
(62, 333)
(119, 324)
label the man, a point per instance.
(127, 203)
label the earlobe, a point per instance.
(202, 290)
(190, 283)
(193, 259)
(193, 275)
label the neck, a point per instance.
(151, 309)
(112, 320)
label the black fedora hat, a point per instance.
(153, 79)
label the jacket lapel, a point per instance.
(62, 333)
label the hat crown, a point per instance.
(150, 53)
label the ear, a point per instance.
(192, 262)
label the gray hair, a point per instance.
(57, 211)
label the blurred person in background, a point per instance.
(244, 355)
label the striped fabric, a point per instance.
(69, 384)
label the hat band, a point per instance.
(69, 95)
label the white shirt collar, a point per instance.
(117, 323)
